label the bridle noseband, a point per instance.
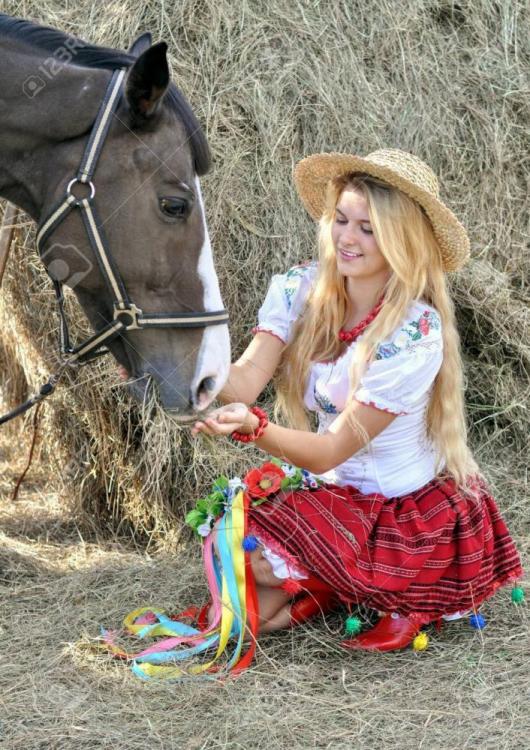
(126, 315)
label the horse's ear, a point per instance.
(140, 45)
(147, 82)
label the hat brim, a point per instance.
(312, 174)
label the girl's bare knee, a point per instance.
(262, 570)
(261, 567)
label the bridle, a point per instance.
(126, 315)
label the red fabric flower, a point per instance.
(423, 326)
(264, 481)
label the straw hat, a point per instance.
(398, 168)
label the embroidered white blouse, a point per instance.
(401, 459)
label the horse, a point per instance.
(104, 133)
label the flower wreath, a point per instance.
(259, 484)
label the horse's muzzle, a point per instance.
(178, 398)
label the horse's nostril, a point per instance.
(204, 392)
(206, 385)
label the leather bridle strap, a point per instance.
(78, 354)
(101, 127)
(93, 225)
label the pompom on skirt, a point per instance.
(430, 553)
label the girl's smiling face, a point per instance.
(358, 255)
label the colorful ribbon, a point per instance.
(235, 613)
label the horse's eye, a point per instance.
(175, 208)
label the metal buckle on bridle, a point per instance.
(128, 316)
(72, 197)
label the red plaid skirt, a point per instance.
(426, 554)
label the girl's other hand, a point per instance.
(225, 420)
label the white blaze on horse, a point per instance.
(103, 151)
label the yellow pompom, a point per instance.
(421, 642)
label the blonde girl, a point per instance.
(365, 339)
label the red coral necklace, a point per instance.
(355, 332)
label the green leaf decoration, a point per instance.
(292, 483)
(276, 461)
(203, 505)
(216, 497)
(259, 501)
(416, 336)
(220, 484)
(216, 508)
(195, 517)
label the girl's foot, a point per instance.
(309, 605)
(392, 632)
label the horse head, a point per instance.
(148, 197)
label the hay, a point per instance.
(273, 82)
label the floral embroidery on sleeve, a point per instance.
(412, 332)
(292, 281)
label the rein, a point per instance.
(126, 315)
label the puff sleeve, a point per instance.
(284, 301)
(401, 375)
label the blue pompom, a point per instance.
(477, 621)
(250, 543)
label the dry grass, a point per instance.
(272, 81)
(468, 690)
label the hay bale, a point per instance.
(273, 82)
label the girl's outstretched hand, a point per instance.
(225, 420)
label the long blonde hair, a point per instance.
(406, 239)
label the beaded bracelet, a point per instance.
(258, 432)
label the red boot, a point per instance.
(317, 597)
(309, 605)
(391, 633)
